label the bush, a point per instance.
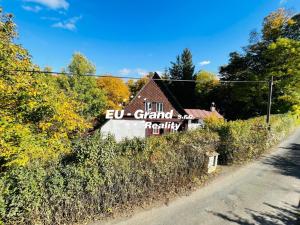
(102, 175)
(244, 140)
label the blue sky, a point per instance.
(132, 37)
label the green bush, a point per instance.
(101, 176)
(244, 140)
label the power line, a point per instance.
(163, 79)
(132, 78)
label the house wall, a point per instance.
(152, 93)
(124, 128)
(192, 126)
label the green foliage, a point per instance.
(41, 116)
(245, 140)
(37, 120)
(188, 67)
(102, 175)
(276, 24)
(293, 30)
(206, 82)
(284, 58)
(136, 86)
(81, 66)
(207, 90)
(12, 56)
(277, 54)
(183, 68)
(83, 88)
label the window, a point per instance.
(148, 106)
(195, 121)
(155, 130)
(159, 107)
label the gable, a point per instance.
(151, 92)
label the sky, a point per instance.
(133, 37)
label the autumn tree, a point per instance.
(37, 120)
(116, 90)
(136, 85)
(205, 82)
(207, 89)
(275, 54)
(81, 66)
(284, 65)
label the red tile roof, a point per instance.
(202, 114)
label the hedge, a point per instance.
(245, 140)
(102, 175)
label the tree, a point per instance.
(207, 90)
(37, 120)
(12, 56)
(47, 69)
(275, 23)
(136, 86)
(116, 90)
(205, 82)
(183, 68)
(176, 69)
(188, 67)
(258, 62)
(284, 57)
(293, 30)
(83, 88)
(81, 66)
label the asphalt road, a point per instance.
(264, 192)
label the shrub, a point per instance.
(244, 140)
(102, 175)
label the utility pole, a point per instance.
(270, 102)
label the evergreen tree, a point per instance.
(176, 69)
(188, 67)
(183, 68)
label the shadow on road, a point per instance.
(287, 164)
(288, 214)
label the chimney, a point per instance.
(213, 107)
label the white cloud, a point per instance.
(69, 24)
(32, 8)
(52, 4)
(139, 71)
(124, 71)
(204, 63)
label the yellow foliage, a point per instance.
(274, 23)
(213, 120)
(37, 119)
(116, 90)
(135, 86)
